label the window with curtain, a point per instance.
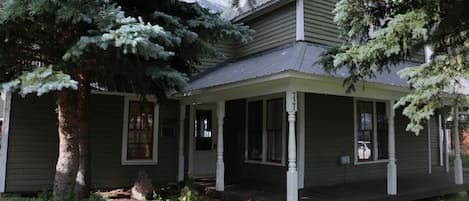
(254, 145)
(140, 130)
(372, 131)
(265, 131)
(274, 130)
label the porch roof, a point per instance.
(298, 56)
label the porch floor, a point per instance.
(410, 188)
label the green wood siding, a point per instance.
(236, 170)
(224, 47)
(32, 146)
(272, 30)
(319, 22)
(330, 133)
(106, 146)
(32, 151)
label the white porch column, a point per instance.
(458, 174)
(292, 174)
(182, 115)
(220, 181)
(392, 169)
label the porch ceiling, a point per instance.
(298, 57)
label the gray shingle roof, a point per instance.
(298, 56)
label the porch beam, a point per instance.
(182, 116)
(292, 173)
(220, 180)
(458, 172)
(391, 167)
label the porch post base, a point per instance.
(181, 169)
(392, 178)
(292, 185)
(220, 183)
(458, 171)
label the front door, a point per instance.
(204, 143)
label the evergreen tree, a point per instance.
(142, 46)
(381, 33)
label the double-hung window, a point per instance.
(139, 138)
(371, 139)
(265, 131)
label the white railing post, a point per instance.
(392, 169)
(220, 180)
(182, 115)
(292, 173)
(458, 172)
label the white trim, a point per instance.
(371, 162)
(113, 93)
(374, 152)
(301, 140)
(288, 80)
(391, 167)
(220, 172)
(291, 107)
(264, 161)
(260, 10)
(375, 132)
(300, 20)
(458, 170)
(440, 139)
(124, 160)
(4, 144)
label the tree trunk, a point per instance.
(82, 179)
(67, 163)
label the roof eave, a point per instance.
(261, 10)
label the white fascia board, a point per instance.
(300, 20)
(291, 80)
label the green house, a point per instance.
(267, 113)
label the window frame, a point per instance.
(375, 150)
(264, 160)
(125, 126)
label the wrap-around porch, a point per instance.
(355, 132)
(410, 188)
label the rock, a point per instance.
(142, 187)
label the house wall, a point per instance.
(32, 151)
(236, 170)
(319, 22)
(224, 47)
(32, 145)
(106, 145)
(329, 133)
(271, 30)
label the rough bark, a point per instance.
(67, 163)
(82, 179)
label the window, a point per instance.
(139, 139)
(203, 130)
(265, 132)
(371, 131)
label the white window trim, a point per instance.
(6, 97)
(375, 132)
(124, 160)
(264, 131)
